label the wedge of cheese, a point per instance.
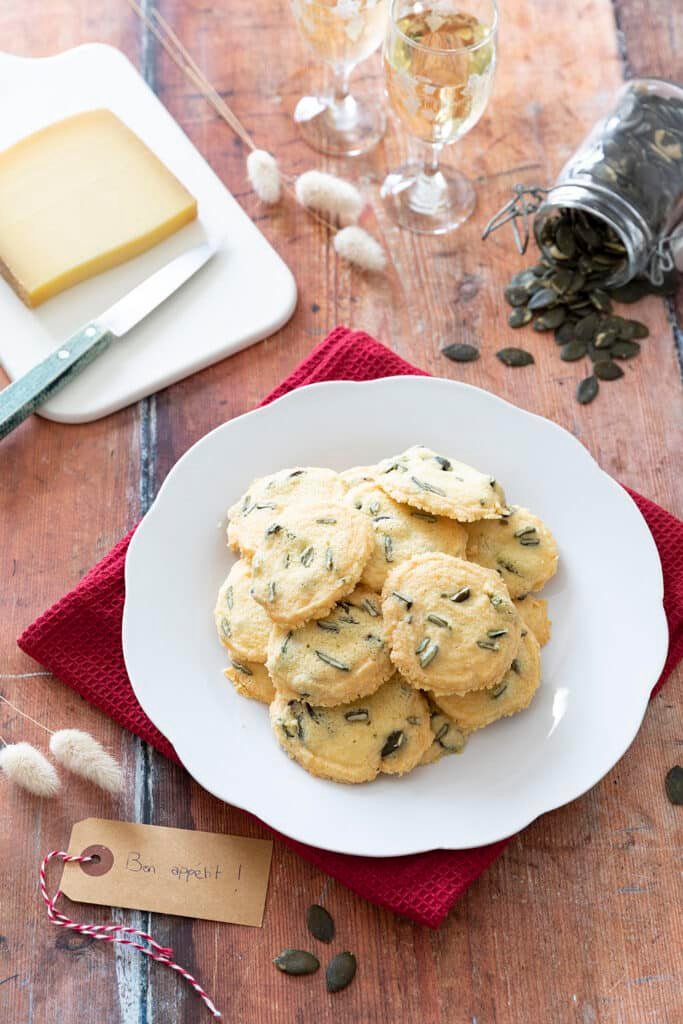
(79, 197)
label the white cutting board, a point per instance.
(245, 293)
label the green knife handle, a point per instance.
(23, 396)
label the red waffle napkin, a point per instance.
(79, 640)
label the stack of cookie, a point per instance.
(384, 613)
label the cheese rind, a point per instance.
(79, 197)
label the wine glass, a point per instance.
(342, 33)
(439, 61)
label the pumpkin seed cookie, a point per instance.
(242, 624)
(311, 557)
(534, 613)
(447, 738)
(386, 732)
(520, 547)
(250, 679)
(401, 532)
(333, 660)
(267, 496)
(429, 481)
(451, 625)
(514, 692)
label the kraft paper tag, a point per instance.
(169, 870)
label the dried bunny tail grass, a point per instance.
(358, 247)
(264, 175)
(80, 753)
(317, 190)
(28, 768)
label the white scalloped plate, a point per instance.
(609, 630)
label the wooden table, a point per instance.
(579, 920)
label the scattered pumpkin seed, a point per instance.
(515, 357)
(340, 972)
(607, 370)
(460, 352)
(674, 784)
(624, 349)
(296, 961)
(320, 923)
(542, 299)
(587, 390)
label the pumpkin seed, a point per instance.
(493, 633)
(428, 654)
(565, 332)
(605, 337)
(515, 664)
(573, 350)
(529, 542)
(632, 291)
(639, 329)
(607, 370)
(340, 972)
(460, 595)
(444, 463)
(437, 620)
(541, 299)
(401, 597)
(516, 296)
(423, 645)
(488, 645)
(369, 607)
(551, 319)
(319, 923)
(515, 357)
(624, 349)
(674, 784)
(601, 300)
(587, 390)
(519, 316)
(393, 742)
(357, 715)
(332, 662)
(271, 591)
(296, 961)
(498, 691)
(327, 626)
(424, 486)
(586, 327)
(307, 556)
(241, 667)
(460, 352)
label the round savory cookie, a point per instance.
(242, 624)
(447, 738)
(514, 692)
(424, 479)
(519, 546)
(401, 532)
(250, 679)
(310, 558)
(333, 660)
(386, 732)
(267, 496)
(450, 624)
(534, 613)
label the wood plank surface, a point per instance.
(579, 920)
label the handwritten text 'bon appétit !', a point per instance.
(200, 873)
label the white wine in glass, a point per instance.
(342, 33)
(439, 62)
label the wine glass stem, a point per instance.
(430, 189)
(343, 107)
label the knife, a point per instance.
(23, 396)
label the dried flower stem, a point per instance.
(24, 715)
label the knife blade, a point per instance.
(23, 396)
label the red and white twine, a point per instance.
(115, 932)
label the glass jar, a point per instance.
(627, 173)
